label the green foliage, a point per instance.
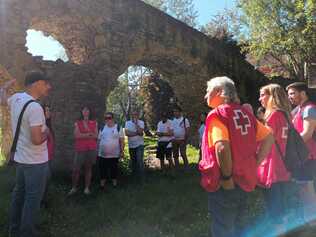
(283, 30)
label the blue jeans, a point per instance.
(225, 208)
(26, 198)
(137, 157)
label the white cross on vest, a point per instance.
(241, 121)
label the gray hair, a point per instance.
(227, 85)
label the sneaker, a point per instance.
(86, 191)
(72, 191)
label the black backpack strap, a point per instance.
(18, 126)
(118, 127)
(290, 126)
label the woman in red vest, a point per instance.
(272, 173)
(86, 133)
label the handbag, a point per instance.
(16, 135)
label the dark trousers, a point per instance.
(26, 198)
(137, 158)
(226, 208)
(282, 200)
(180, 146)
(108, 168)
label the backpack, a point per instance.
(296, 154)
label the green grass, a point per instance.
(167, 204)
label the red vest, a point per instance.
(241, 125)
(298, 124)
(86, 144)
(272, 169)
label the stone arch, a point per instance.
(102, 38)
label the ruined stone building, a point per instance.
(102, 39)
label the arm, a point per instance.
(224, 159)
(130, 133)
(140, 131)
(37, 136)
(122, 145)
(187, 129)
(309, 126)
(79, 135)
(95, 132)
(3, 91)
(265, 148)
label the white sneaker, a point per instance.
(72, 191)
(86, 191)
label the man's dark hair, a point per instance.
(299, 86)
(34, 76)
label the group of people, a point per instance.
(105, 143)
(238, 152)
(241, 152)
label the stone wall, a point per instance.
(102, 38)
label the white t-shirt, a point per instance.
(26, 151)
(109, 142)
(163, 128)
(178, 127)
(135, 141)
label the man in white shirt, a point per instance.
(165, 134)
(134, 130)
(181, 127)
(31, 155)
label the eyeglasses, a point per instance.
(108, 118)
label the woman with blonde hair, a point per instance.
(272, 173)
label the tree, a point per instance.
(126, 96)
(282, 30)
(183, 10)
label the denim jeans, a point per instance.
(26, 198)
(137, 158)
(225, 208)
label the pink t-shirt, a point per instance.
(272, 168)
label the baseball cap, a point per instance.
(34, 76)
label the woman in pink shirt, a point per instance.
(86, 133)
(272, 173)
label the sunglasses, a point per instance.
(108, 118)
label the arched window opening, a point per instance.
(46, 46)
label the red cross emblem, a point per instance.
(241, 121)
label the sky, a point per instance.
(47, 47)
(208, 8)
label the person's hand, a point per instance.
(228, 184)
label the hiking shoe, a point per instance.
(72, 192)
(86, 191)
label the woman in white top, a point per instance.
(110, 149)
